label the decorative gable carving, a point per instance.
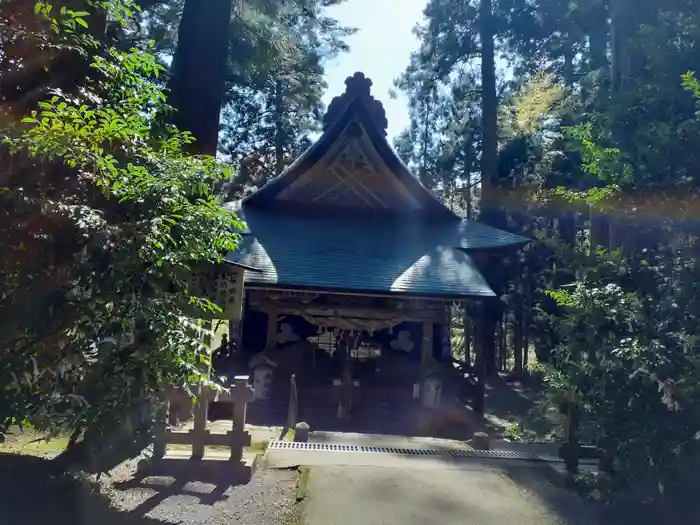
(356, 87)
(351, 168)
(351, 175)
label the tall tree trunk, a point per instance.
(527, 315)
(468, 197)
(426, 138)
(279, 136)
(628, 61)
(598, 29)
(489, 108)
(568, 53)
(490, 213)
(199, 71)
(619, 36)
(467, 155)
(518, 315)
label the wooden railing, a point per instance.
(199, 437)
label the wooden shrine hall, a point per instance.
(354, 267)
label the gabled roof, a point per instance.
(349, 217)
(367, 255)
(351, 168)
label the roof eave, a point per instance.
(373, 293)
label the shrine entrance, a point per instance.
(359, 364)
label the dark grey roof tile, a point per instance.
(367, 256)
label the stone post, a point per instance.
(431, 391)
(241, 392)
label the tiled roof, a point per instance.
(366, 255)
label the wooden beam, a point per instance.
(271, 341)
(346, 312)
(388, 295)
(426, 353)
(426, 349)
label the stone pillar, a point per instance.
(301, 432)
(431, 391)
(263, 370)
(481, 441)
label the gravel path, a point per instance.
(31, 493)
(268, 499)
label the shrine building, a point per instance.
(353, 271)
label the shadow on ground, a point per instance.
(508, 401)
(551, 487)
(32, 492)
(208, 482)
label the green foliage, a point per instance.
(691, 83)
(630, 362)
(100, 241)
(598, 159)
(274, 97)
(606, 164)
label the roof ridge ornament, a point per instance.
(356, 87)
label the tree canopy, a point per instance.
(107, 202)
(103, 218)
(597, 117)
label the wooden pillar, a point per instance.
(467, 335)
(479, 358)
(271, 341)
(426, 349)
(199, 427)
(347, 344)
(161, 425)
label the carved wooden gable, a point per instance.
(353, 175)
(350, 167)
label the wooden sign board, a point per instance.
(223, 285)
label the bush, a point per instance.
(104, 217)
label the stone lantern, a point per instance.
(431, 390)
(263, 371)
